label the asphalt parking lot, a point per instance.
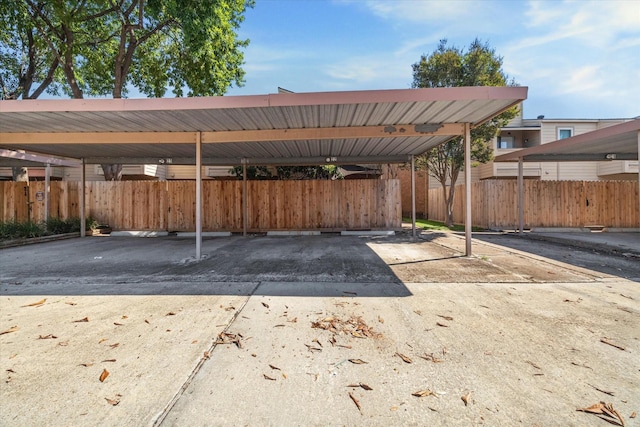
(316, 330)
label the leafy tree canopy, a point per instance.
(450, 66)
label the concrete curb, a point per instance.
(368, 233)
(293, 233)
(33, 240)
(204, 234)
(133, 233)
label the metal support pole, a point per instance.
(198, 195)
(83, 185)
(413, 198)
(244, 197)
(47, 191)
(639, 178)
(467, 187)
(520, 195)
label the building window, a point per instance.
(565, 133)
(506, 142)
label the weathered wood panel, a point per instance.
(573, 204)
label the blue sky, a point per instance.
(580, 59)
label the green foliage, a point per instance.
(26, 229)
(290, 172)
(449, 66)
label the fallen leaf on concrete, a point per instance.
(8, 331)
(104, 375)
(47, 337)
(610, 393)
(633, 414)
(125, 317)
(623, 295)
(418, 312)
(358, 361)
(533, 364)
(284, 376)
(114, 401)
(465, 398)
(404, 358)
(423, 393)
(114, 345)
(315, 340)
(102, 340)
(109, 360)
(267, 377)
(265, 304)
(355, 401)
(312, 348)
(361, 385)
(279, 326)
(35, 304)
(431, 357)
(71, 303)
(380, 319)
(442, 325)
(171, 313)
(118, 324)
(344, 346)
(582, 366)
(606, 409)
(227, 338)
(275, 367)
(84, 319)
(294, 320)
(146, 321)
(445, 317)
(606, 341)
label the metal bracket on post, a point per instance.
(244, 197)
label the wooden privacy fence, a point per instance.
(170, 205)
(494, 204)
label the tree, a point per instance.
(449, 66)
(104, 47)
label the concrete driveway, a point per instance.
(320, 330)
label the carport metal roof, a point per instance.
(288, 128)
(379, 126)
(618, 142)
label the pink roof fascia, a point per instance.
(276, 100)
(632, 127)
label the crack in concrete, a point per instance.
(167, 409)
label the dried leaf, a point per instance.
(633, 414)
(118, 324)
(86, 365)
(610, 393)
(315, 340)
(85, 319)
(380, 319)
(71, 303)
(8, 331)
(102, 340)
(533, 364)
(294, 320)
(355, 401)
(358, 361)
(114, 345)
(366, 387)
(171, 313)
(423, 393)
(606, 341)
(125, 317)
(445, 317)
(35, 304)
(312, 348)
(466, 398)
(608, 410)
(146, 321)
(109, 360)
(275, 367)
(47, 337)
(404, 358)
(442, 324)
(431, 357)
(206, 355)
(104, 375)
(267, 377)
(113, 402)
(279, 326)
(265, 304)
(344, 346)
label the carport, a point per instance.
(379, 126)
(618, 142)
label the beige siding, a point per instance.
(605, 169)
(577, 171)
(185, 172)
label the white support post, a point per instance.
(83, 186)
(520, 195)
(467, 187)
(198, 195)
(244, 197)
(639, 178)
(413, 198)
(47, 191)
